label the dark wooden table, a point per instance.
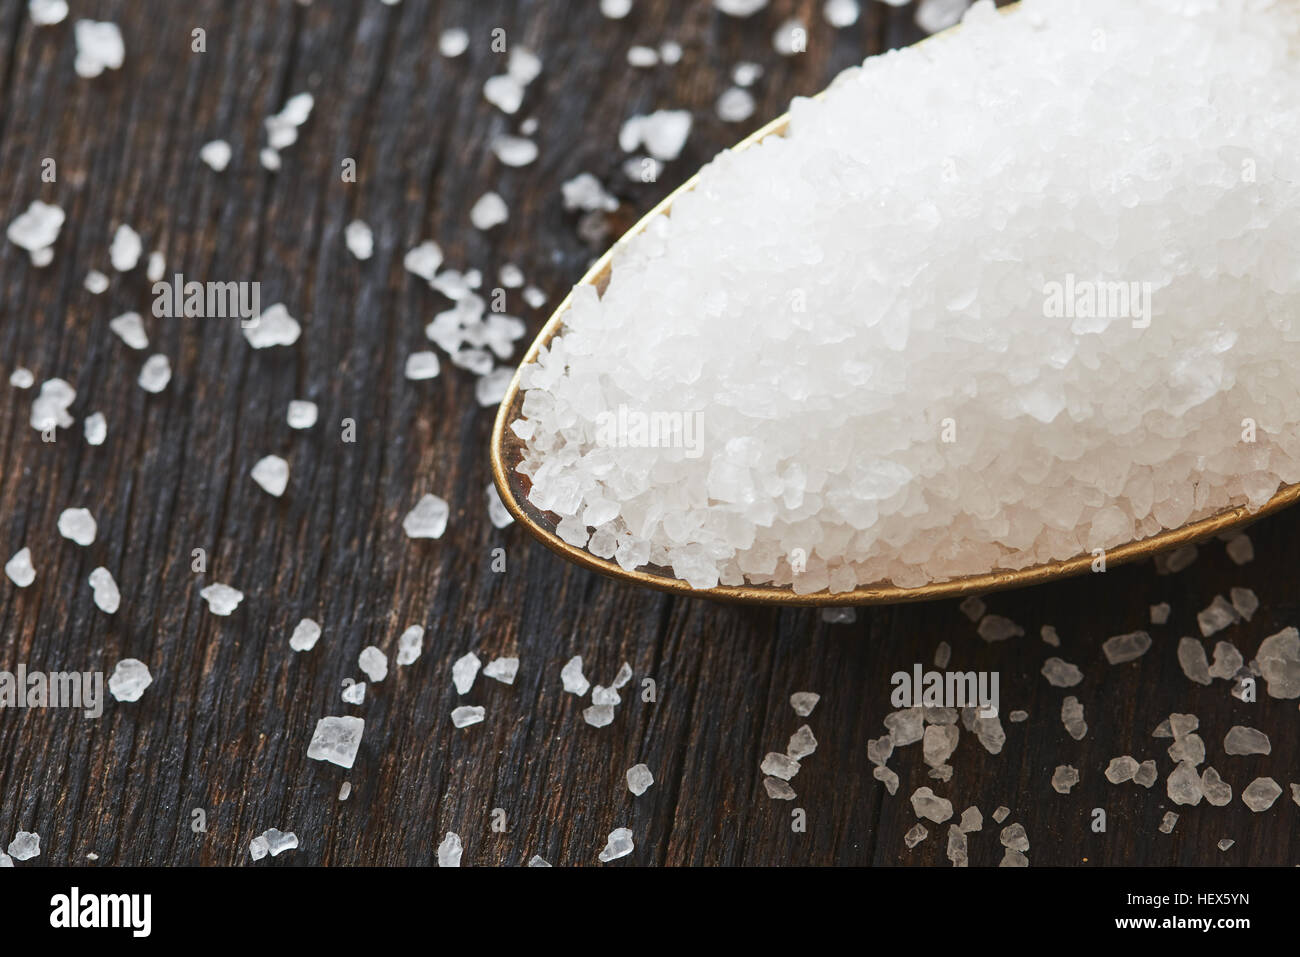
(226, 724)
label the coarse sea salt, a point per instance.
(993, 302)
(129, 680)
(105, 591)
(19, 568)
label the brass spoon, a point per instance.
(507, 452)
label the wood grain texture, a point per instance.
(226, 723)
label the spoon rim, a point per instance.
(504, 477)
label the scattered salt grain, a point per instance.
(465, 715)
(790, 38)
(257, 848)
(1240, 550)
(996, 628)
(125, 250)
(598, 715)
(130, 330)
(642, 57)
(1259, 795)
(22, 378)
(25, 846)
(905, 726)
(129, 680)
(803, 702)
(1013, 858)
(926, 804)
(571, 675)
(374, 663)
(282, 127)
(464, 670)
(1216, 617)
(639, 779)
(933, 16)
(277, 842)
(619, 844)
(802, 743)
(271, 474)
(746, 73)
(1279, 663)
(46, 13)
(1064, 778)
(1184, 784)
(585, 192)
(95, 282)
(428, 519)
(1049, 636)
(450, 850)
(915, 835)
(1216, 790)
(942, 655)
(735, 105)
(779, 766)
(514, 150)
(1167, 822)
(274, 327)
(305, 635)
(337, 739)
(95, 428)
(359, 239)
(957, 846)
(99, 46)
(36, 229)
(155, 374)
(1125, 648)
(423, 260)
(663, 133)
(490, 210)
(778, 790)
(302, 414)
(221, 599)
(156, 266)
(503, 670)
(78, 525)
(491, 388)
(107, 597)
(354, 692)
(1146, 774)
(538, 861)
(1244, 601)
(1072, 718)
(841, 13)
(410, 645)
(1226, 843)
(453, 42)
(498, 514)
(1018, 716)
(887, 777)
(1227, 661)
(1121, 769)
(973, 607)
(422, 365)
(1243, 740)
(1060, 673)
(1014, 837)
(1191, 658)
(1160, 613)
(216, 154)
(670, 52)
(19, 568)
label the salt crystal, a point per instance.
(465, 715)
(374, 663)
(1191, 658)
(337, 739)
(514, 150)
(997, 628)
(938, 744)
(779, 766)
(538, 861)
(619, 844)
(1072, 718)
(1064, 778)
(735, 105)
(25, 846)
(1244, 601)
(571, 675)
(19, 568)
(615, 9)
(274, 327)
(155, 374)
(359, 239)
(971, 820)
(46, 13)
(1061, 674)
(1259, 795)
(1014, 837)
(156, 267)
(130, 330)
(1121, 769)
(746, 74)
(778, 790)
(125, 250)
(282, 127)
(410, 645)
(463, 672)
(216, 154)
(423, 260)
(740, 8)
(428, 519)
(1182, 724)
(6, 860)
(1160, 613)
(1049, 636)
(95, 282)
(1240, 550)
(1184, 784)
(305, 635)
(973, 607)
(639, 779)
(221, 599)
(272, 474)
(99, 46)
(585, 192)
(37, 228)
(915, 835)
(95, 428)
(1295, 793)
(642, 57)
(491, 389)
(78, 525)
(1217, 791)
(257, 847)
(1124, 648)
(510, 275)
(1146, 774)
(791, 37)
(534, 297)
(886, 777)
(354, 692)
(802, 743)
(927, 805)
(1167, 822)
(503, 670)
(450, 850)
(1279, 663)
(422, 365)
(1187, 748)
(957, 846)
(277, 842)
(1226, 843)
(488, 211)
(839, 616)
(106, 595)
(453, 42)
(663, 133)
(1216, 617)
(942, 655)
(1013, 858)
(840, 13)
(1243, 740)
(129, 680)
(301, 414)
(22, 378)
(1000, 813)
(498, 514)
(905, 726)
(935, 15)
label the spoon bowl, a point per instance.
(507, 452)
